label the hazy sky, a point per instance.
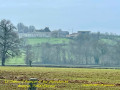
(93, 15)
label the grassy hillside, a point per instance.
(76, 78)
(33, 41)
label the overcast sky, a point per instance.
(93, 15)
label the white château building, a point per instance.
(34, 34)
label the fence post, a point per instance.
(33, 83)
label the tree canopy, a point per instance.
(9, 40)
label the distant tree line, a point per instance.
(92, 49)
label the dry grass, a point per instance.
(76, 77)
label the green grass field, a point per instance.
(18, 60)
(76, 78)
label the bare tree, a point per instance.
(9, 41)
(29, 55)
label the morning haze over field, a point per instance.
(59, 45)
(90, 15)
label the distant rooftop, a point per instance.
(84, 32)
